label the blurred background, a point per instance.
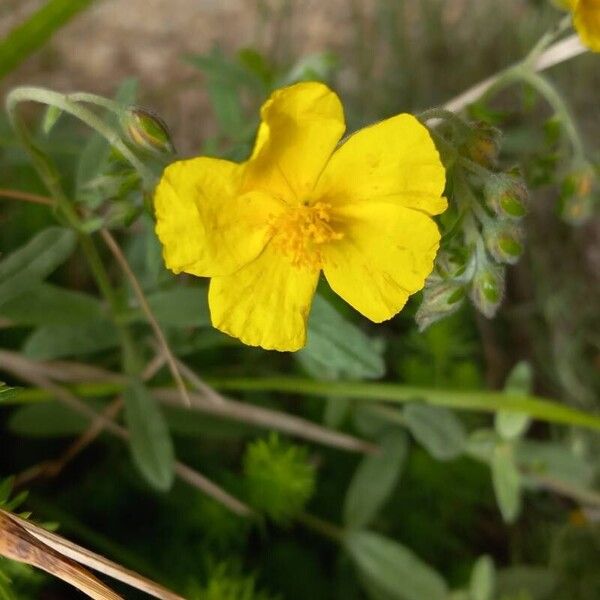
(205, 66)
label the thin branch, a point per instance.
(26, 197)
(27, 371)
(227, 408)
(554, 55)
(158, 332)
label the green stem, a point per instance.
(50, 98)
(468, 400)
(51, 180)
(322, 527)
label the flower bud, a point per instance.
(506, 194)
(147, 130)
(504, 241)
(577, 201)
(487, 289)
(440, 299)
(483, 145)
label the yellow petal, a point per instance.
(301, 126)
(266, 303)
(587, 22)
(386, 254)
(394, 160)
(206, 227)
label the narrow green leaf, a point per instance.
(51, 116)
(337, 348)
(375, 479)
(36, 30)
(34, 261)
(47, 304)
(507, 483)
(483, 579)
(519, 381)
(151, 444)
(50, 342)
(47, 420)
(181, 307)
(394, 569)
(437, 429)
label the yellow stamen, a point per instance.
(301, 230)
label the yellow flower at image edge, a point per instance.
(263, 230)
(586, 18)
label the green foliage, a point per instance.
(150, 443)
(36, 30)
(280, 480)
(375, 479)
(225, 583)
(390, 570)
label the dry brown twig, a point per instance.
(25, 542)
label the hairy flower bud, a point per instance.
(483, 145)
(504, 241)
(147, 130)
(577, 200)
(506, 194)
(487, 289)
(440, 299)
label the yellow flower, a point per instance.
(263, 230)
(586, 18)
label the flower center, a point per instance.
(301, 231)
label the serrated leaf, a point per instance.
(181, 307)
(150, 443)
(375, 479)
(47, 304)
(50, 342)
(337, 348)
(33, 262)
(483, 579)
(507, 483)
(437, 429)
(395, 570)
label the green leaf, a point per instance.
(150, 443)
(51, 116)
(535, 583)
(26, 38)
(375, 479)
(7, 393)
(34, 261)
(556, 460)
(437, 429)
(47, 420)
(507, 483)
(47, 304)
(337, 348)
(181, 307)
(49, 342)
(394, 570)
(519, 381)
(483, 578)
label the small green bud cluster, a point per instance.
(482, 144)
(280, 480)
(487, 288)
(506, 195)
